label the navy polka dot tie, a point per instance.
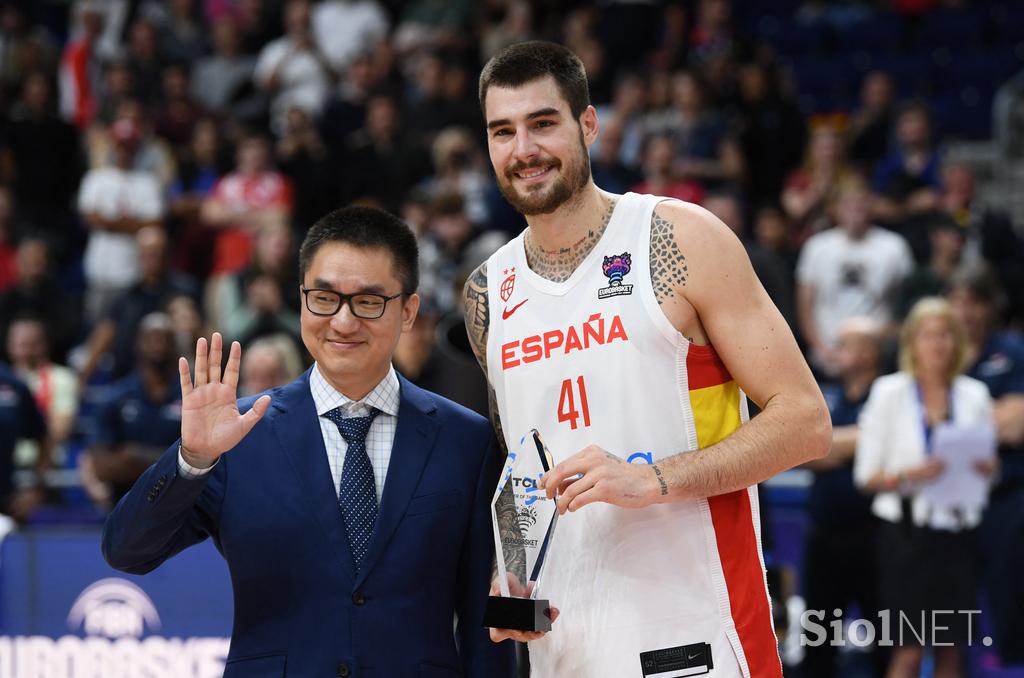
(358, 495)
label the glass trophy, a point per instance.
(524, 523)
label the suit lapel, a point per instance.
(414, 442)
(297, 428)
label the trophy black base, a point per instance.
(520, 614)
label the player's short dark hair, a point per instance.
(525, 62)
(370, 228)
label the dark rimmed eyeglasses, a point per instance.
(363, 305)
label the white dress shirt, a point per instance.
(385, 397)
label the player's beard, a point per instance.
(569, 181)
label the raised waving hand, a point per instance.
(210, 421)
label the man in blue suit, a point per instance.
(351, 506)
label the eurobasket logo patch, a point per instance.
(615, 269)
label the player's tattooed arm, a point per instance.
(478, 320)
(669, 270)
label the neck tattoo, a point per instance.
(558, 265)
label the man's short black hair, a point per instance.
(525, 62)
(366, 227)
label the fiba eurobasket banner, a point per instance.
(65, 614)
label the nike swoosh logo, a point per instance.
(507, 312)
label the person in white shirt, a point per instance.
(116, 202)
(291, 69)
(344, 29)
(853, 269)
(926, 552)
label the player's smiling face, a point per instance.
(538, 149)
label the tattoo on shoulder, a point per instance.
(668, 265)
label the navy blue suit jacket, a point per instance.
(300, 608)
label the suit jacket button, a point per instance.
(343, 670)
(358, 598)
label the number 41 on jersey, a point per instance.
(567, 410)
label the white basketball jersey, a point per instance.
(669, 590)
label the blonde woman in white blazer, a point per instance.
(926, 553)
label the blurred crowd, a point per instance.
(161, 160)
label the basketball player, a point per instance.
(627, 329)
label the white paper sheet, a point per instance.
(960, 485)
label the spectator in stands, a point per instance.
(384, 161)
(118, 87)
(345, 110)
(457, 170)
(222, 80)
(137, 418)
(346, 29)
(259, 23)
(839, 550)
(946, 247)
(773, 232)
(198, 172)
(626, 109)
(292, 70)
(37, 291)
(177, 114)
(774, 261)
(506, 25)
(907, 181)
(180, 29)
(438, 97)
(187, 319)
(659, 115)
(771, 132)
(852, 269)
(41, 161)
(810, 189)
(871, 121)
(712, 38)
(269, 361)
(432, 25)
(705, 151)
(80, 65)
(659, 172)
(115, 333)
(152, 154)
(926, 551)
(450, 235)
(302, 156)
(606, 167)
(416, 347)
(115, 203)
(20, 419)
(54, 387)
(24, 48)
(990, 233)
(145, 61)
(253, 197)
(261, 299)
(996, 357)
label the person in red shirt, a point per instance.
(244, 202)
